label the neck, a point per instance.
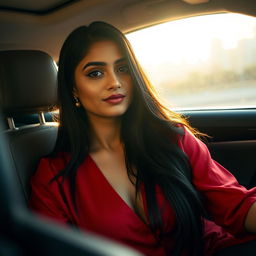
(105, 133)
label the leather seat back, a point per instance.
(28, 85)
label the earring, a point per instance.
(77, 102)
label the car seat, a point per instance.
(28, 85)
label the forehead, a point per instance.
(103, 51)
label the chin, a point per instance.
(117, 112)
(113, 115)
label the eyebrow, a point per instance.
(99, 63)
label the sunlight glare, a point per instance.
(190, 40)
(210, 58)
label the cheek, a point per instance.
(87, 96)
(130, 86)
(84, 90)
(127, 82)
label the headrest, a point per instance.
(28, 82)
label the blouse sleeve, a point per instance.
(45, 197)
(226, 201)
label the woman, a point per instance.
(127, 168)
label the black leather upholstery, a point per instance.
(27, 145)
(28, 84)
(28, 81)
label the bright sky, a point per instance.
(171, 52)
(190, 40)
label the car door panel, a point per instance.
(232, 140)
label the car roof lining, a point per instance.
(34, 7)
(21, 30)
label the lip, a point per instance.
(115, 98)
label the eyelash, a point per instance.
(98, 73)
(92, 74)
(123, 66)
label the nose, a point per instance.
(113, 81)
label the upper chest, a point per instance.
(112, 166)
(107, 201)
(101, 209)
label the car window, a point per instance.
(201, 62)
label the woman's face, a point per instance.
(103, 81)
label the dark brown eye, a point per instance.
(123, 69)
(95, 74)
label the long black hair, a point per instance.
(149, 132)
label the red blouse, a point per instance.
(101, 210)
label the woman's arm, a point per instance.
(250, 220)
(227, 202)
(46, 198)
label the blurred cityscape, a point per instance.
(226, 78)
(187, 74)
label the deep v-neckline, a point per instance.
(118, 196)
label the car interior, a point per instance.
(23, 233)
(32, 33)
